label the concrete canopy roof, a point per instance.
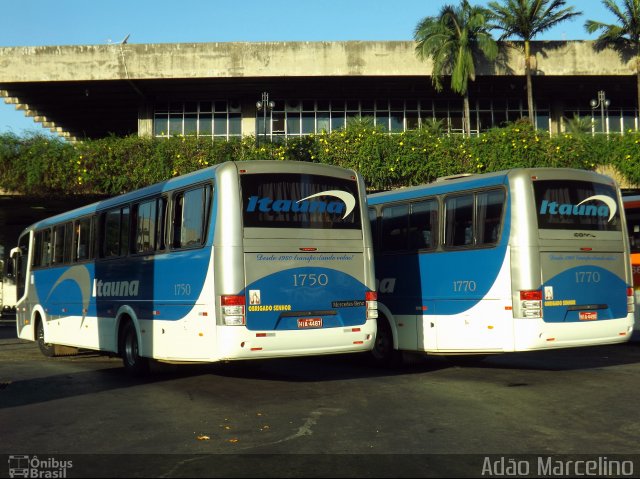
(94, 90)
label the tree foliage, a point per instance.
(43, 166)
(453, 40)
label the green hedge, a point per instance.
(39, 165)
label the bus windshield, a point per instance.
(293, 200)
(576, 205)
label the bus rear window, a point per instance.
(292, 200)
(576, 205)
(633, 227)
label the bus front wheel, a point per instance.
(134, 364)
(47, 349)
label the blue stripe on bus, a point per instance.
(564, 307)
(450, 282)
(145, 287)
(279, 298)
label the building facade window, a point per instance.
(616, 120)
(218, 120)
(291, 118)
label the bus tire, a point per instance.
(383, 352)
(47, 349)
(133, 363)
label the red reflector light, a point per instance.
(371, 296)
(535, 295)
(629, 291)
(261, 335)
(308, 249)
(232, 300)
(586, 249)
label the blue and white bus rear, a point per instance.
(243, 260)
(520, 260)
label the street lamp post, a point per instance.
(603, 103)
(264, 105)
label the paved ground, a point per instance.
(317, 417)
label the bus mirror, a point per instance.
(12, 265)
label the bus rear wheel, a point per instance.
(383, 352)
(47, 349)
(134, 364)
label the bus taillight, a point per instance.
(371, 299)
(631, 301)
(531, 302)
(233, 310)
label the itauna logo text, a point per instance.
(115, 288)
(598, 205)
(342, 206)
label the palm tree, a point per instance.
(525, 19)
(625, 34)
(452, 39)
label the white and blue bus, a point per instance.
(242, 260)
(519, 260)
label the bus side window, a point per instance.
(46, 248)
(423, 224)
(459, 221)
(68, 242)
(489, 206)
(82, 240)
(58, 244)
(36, 260)
(161, 224)
(21, 266)
(395, 228)
(144, 225)
(373, 219)
(115, 232)
(190, 212)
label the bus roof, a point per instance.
(185, 180)
(458, 182)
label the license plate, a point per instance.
(309, 323)
(588, 315)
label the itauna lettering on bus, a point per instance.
(115, 288)
(608, 209)
(344, 206)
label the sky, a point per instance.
(87, 22)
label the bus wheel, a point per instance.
(383, 352)
(133, 363)
(47, 349)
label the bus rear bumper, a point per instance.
(240, 343)
(531, 334)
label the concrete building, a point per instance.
(211, 89)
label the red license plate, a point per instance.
(309, 323)
(588, 315)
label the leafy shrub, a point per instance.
(39, 165)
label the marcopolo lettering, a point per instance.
(344, 206)
(608, 209)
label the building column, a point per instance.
(145, 120)
(556, 112)
(248, 118)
